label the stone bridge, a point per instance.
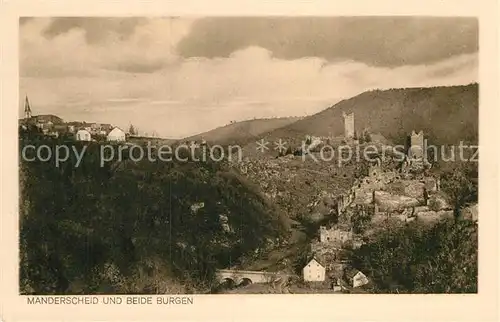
(240, 276)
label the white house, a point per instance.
(83, 135)
(116, 135)
(356, 278)
(314, 271)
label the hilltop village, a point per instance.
(52, 126)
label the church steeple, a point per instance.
(27, 108)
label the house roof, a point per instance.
(351, 272)
(316, 258)
(116, 130)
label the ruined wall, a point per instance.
(433, 216)
(334, 235)
(389, 202)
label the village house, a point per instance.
(100, 128)
(95, 127)
(355, 278)
(83, 135)
(74, 126)
(314, 271)
(116, 135)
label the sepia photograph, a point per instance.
(248, 155)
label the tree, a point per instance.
(457, 183)
(367, 137)
(127, 229)
(361, 138)
(132, 130)
(419, 259)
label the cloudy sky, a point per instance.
(179, 76)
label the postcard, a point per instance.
(248, 161)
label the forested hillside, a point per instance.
(135, 227)
(418, 259)
(242, 132)
(447, 115)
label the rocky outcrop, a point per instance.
(389, 202)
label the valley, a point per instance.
(306, 211)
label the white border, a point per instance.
(482, 306)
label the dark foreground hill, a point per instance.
(446, 115)
(239, 132)
(135, 227)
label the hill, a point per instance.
(155, 141)
(127, 227)
(47, 118)
(239, 132)
(446, 115)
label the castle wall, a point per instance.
(334, 235)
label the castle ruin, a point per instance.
(348, 125)
(334, 235)
(417, 148)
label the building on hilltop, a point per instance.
(348, 125)
(83, 135)
(100, 128)
(116, 135)
(27, 109)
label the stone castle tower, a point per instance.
(417, 147)
(348, 125)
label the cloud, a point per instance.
(198, 94)
(84, 46)
(134, 71)
(97, 29)
(376, 41)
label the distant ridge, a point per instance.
(48, 118)
(241, 132)
(447, 115)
